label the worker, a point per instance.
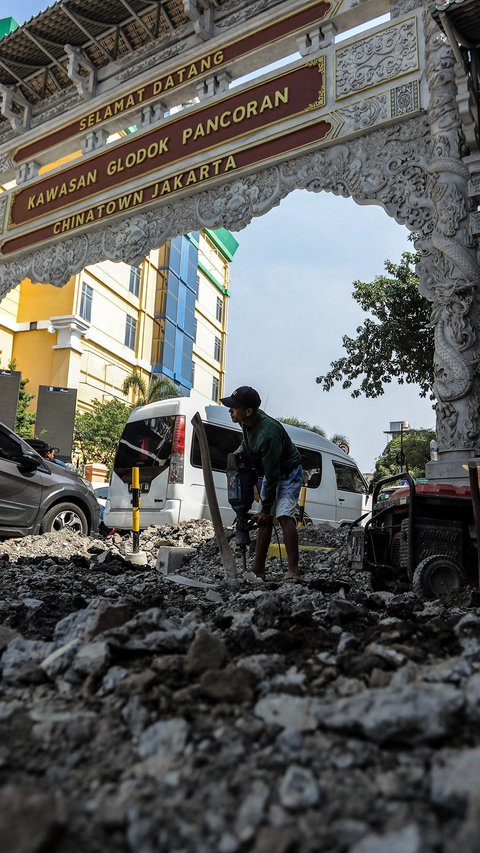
(51, 455)
(278, 460)
(45, 450)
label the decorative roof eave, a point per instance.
(463, 17)
(102, 32)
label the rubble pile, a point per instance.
(141, 713)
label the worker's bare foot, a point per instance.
(292, 576)
(260, 575)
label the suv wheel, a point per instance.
(64, 516)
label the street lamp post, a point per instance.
(398, 428)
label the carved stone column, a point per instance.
(451, 274)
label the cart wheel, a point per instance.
(438, 575)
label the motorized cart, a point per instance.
(420, 537)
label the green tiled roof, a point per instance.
(7, 25)
(224, 240)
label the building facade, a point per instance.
(166, 317)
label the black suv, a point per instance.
(39, 496)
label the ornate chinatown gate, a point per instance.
(379, 117)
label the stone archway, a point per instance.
(414, 169)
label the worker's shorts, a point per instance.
(288, 491)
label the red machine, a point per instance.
(421, 536)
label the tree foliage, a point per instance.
(303, 425)
(157, 388)
(24, 420)
(395, 342)
(337, 438)
(98, 432)
(416, 451)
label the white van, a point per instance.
(159, 438)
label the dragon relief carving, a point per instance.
(131, 240)
(55, 264)
(454, 273)
(453, 334)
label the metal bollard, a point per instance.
(301, 504)
(135, 510)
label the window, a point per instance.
(130, 332)
(168, 355)
(86, 303)
(174, 259)
(189, 322)
(221, 442)
(146, 444)
(312, 466)
(349, 479)
(171, 307)
(134, 285)
(217, 349)
(9, 447)
(219, 310)
(215, 389)
(186, 360)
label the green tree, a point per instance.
(157, 388)
(98, 432)
(416, 451)
(24, 420)
(396, 342)
(303, 425)
(339, 438)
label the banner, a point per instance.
(206, 63)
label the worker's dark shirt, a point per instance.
(273, 453)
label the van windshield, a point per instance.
(145, 444)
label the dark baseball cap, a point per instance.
(245, 396)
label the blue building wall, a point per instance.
(179, 314)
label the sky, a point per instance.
(291, 303)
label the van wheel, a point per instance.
(438, 575)
(64, 516)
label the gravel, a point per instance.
(143, 713)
